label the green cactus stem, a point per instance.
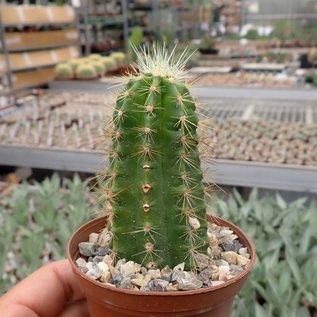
(153, 191)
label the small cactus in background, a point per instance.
(109, 63)
(312, 55)
(120, 58)
(75, 62)
(153, 191)
(99, 67)
(86, 71)
(94, 57)
(64, 71)
(136, 40)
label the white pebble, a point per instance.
(225, 232)
(103, 267)
(223, 272)
(242, 260)
(127, 269)
(230, 256)
(93, 237)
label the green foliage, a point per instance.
(136, 37)
(285, 236)
(282, 283)
(168, 36)
(232, 36)
(287, 30)
(36, 223)
(311, 78)
(207, 42)
(304, 32)
(252, 35)
(277, 57)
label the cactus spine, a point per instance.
(154, 194)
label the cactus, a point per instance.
(312, 55)
(153, 190)
(75, 62)
(120, 58)
(136, 39)
(64, 71)
(99, 67)
(86, 71)
(85, 60)
(94, 57)
(109, 63)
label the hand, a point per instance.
(51, 291)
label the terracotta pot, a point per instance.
(105, 300)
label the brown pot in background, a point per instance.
(108, 301)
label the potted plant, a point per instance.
(208, 45)
(155, 249)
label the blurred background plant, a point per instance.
(135, 40)
(36, 222)
(283, 282)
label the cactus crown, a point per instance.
(158, 61)
(153, 190)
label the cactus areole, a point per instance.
(153, 190)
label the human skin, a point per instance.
(51, 291)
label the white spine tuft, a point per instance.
(159, 61)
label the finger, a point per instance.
(16, 311)
(46, 291)
(77, 309)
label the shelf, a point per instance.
(37, 59)
(31, 41)
(110, 20)
(40, 48)
(208, 92)
(36, 15)
(80, 85)
(32, 78)
(145, 28)
(223, 172)
(263, 67)
(109, 50)
(26, 69)
(146, 8)
(28, 57)
(39, 25)
(256, 93)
